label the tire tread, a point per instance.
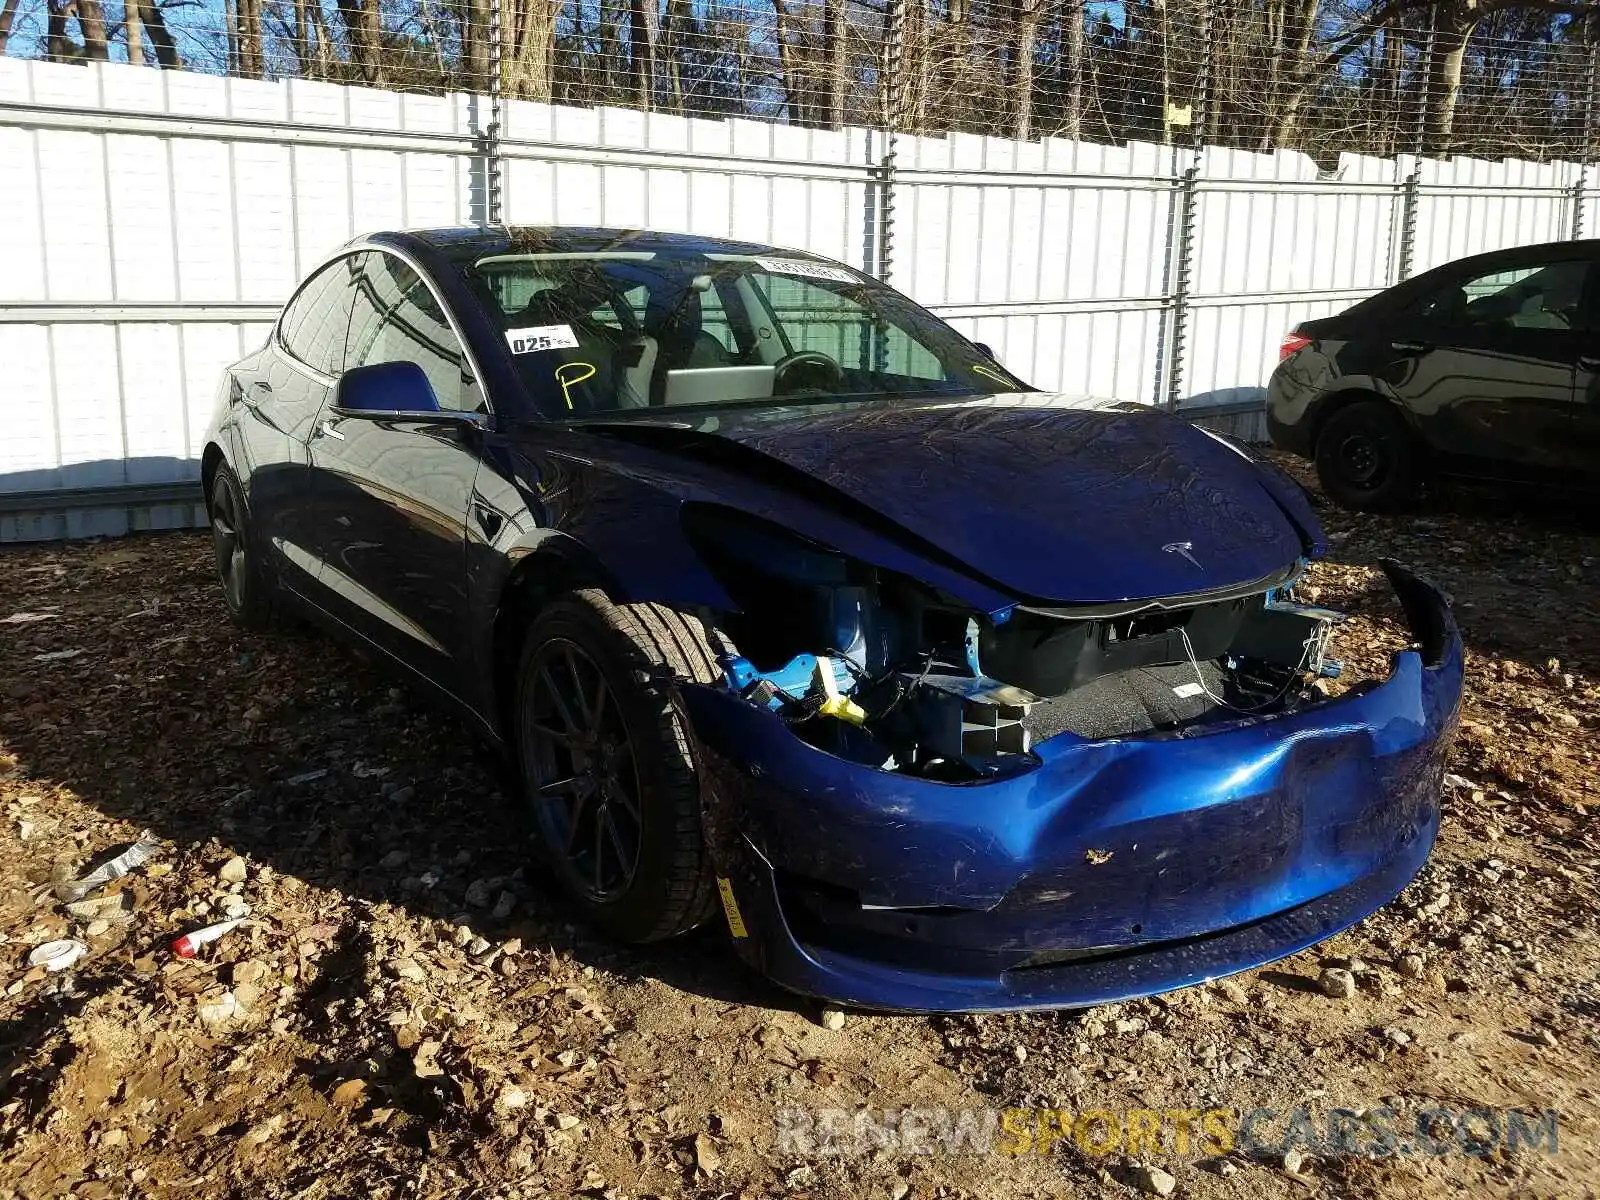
(658, 644)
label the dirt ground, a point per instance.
(407, 1012)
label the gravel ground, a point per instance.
(406, 1011)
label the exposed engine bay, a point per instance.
(885, 671)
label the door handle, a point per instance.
(329, 429)
(1407, 347)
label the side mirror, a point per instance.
(386, 387)
(983, 349)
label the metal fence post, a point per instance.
(1409, 194)
(1182, 255)
(893, 94)
(1186, 216)
(490, 147)
(1578, 198)
(1411, 189)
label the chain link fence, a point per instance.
(1479, 77)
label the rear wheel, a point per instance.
(605, 764)
(1366, 458)
(246, 592)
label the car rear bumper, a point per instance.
(1292, 394)
(1111, 870)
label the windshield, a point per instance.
(622, 331)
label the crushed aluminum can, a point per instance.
(58, 956)
(185, 945)
(131, 859)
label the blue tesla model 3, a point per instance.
(796, 609)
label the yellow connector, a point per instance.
(833, 704)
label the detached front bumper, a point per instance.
(1113, 869)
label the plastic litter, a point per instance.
(134, 857)
(185, 945)
(28, 618)
(99, 908)
(58, 956)
(305, 777)
(234, 907)
(221, 1008)
(58, 655)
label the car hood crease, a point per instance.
(1049, 500)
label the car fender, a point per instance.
(1354, 389)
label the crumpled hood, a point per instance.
(1048, 499)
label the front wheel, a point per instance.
(1366, 458)
(605, 764)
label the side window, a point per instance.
(314, 323)
(397, 319)
(814, 318)
(1547, 296)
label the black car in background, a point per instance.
(1486, 367)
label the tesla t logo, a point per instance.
(1182, 548)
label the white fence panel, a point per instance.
(159, 218)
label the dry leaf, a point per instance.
(705, 1154)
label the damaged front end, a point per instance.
(888, 673)
(920, 806)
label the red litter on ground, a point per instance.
(185, 945)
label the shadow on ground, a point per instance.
(296, 753)
(283, 747)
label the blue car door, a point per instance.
(391, 491)
(279, 402)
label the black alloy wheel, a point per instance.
(248, 598)
(586, 801)
(605, 764)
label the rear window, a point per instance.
(314, 323)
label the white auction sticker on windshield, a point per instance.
(535, 338)
(805, 270)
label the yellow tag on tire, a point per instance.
(730, 909)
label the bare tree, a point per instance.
(836, 50)
(1071, 54)
(640, 58)
(1024, 17)
(92, 27)
(527, 31)
(247, 38)
(132, 32)
(1292, 24)
(1453, 26)
(59, 46)
(363, 30)
(160, 37)
(1504, 76)
(475, 20)
(788, 65)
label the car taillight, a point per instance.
(1292, 341)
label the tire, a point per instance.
(245, 588)
(1366, 458)
(606, 770)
